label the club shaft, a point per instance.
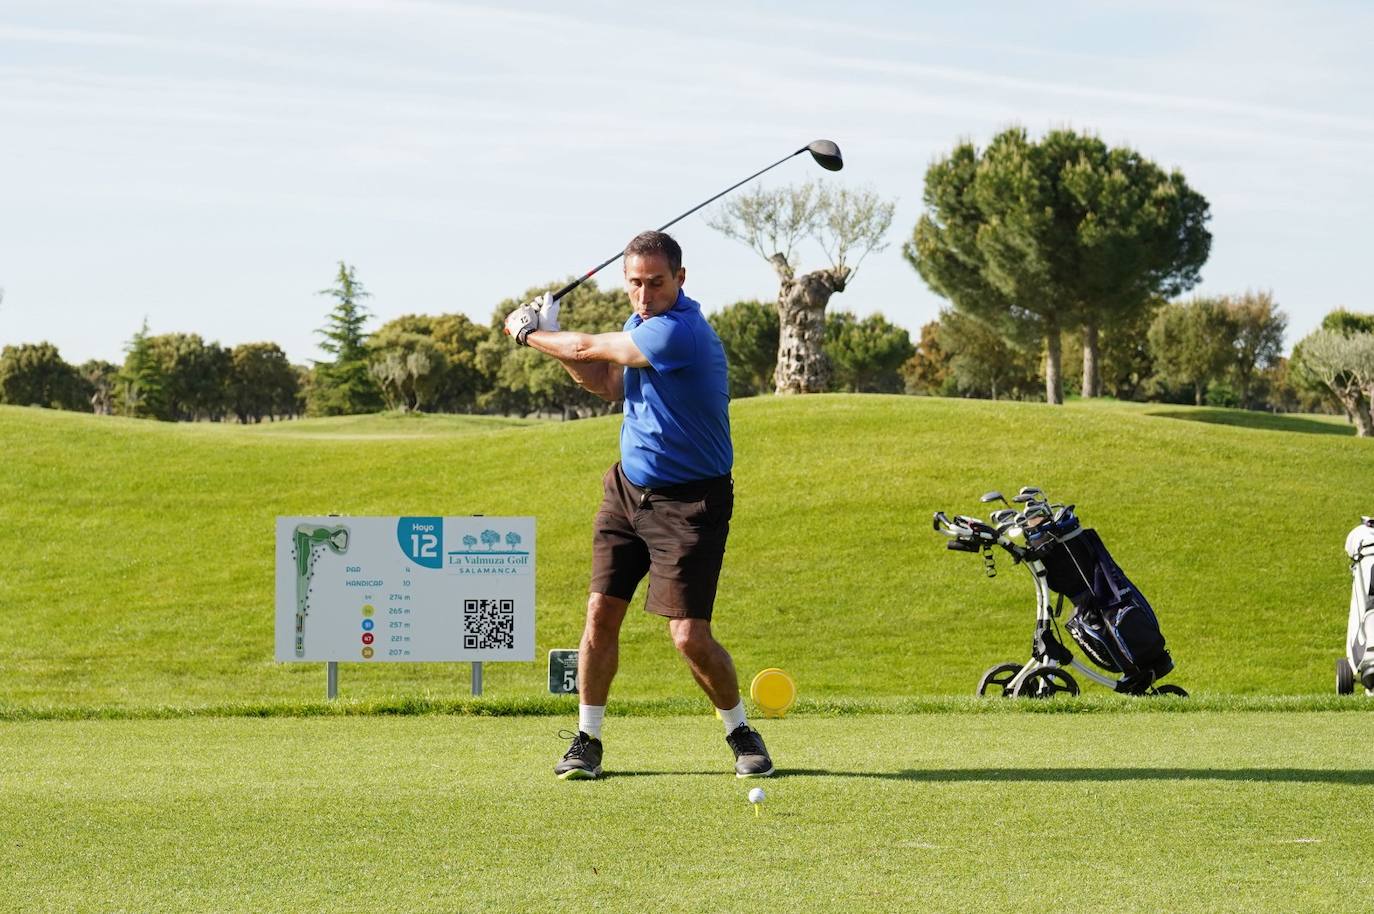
(605, 263)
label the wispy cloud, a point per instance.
(1193, 104)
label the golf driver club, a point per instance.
(825, 152)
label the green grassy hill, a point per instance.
(138, 557)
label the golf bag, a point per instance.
(1112, 622)
(1359, 546)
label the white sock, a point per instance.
(733, 717)
(589, 719)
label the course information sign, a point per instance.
(370, 589)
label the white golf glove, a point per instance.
(521, 322)
(548, 312)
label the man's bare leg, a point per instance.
(714, 671)
(708, 659)
(597, 660)
(598, 657)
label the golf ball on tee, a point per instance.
(756, 795)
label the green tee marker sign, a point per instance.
(563, 672)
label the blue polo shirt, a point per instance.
(677, 410)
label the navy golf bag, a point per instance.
(1113, 623)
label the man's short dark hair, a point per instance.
(646, 244)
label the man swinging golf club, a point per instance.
(667, 503)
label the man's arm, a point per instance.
(597, 362)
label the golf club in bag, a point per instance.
(1358, 662)
(1112, 622)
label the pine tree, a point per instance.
(345, 386)
(141, 385)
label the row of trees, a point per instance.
(1222, 351)
(1218, 350)
(432, 363)
(1207, 349)
(174, 376)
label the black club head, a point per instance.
(826, 154)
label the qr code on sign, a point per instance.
(488, 624)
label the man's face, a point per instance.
(651, 285)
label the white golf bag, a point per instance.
(1358, 662)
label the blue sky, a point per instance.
(206, 163)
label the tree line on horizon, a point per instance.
(1220, 351)
(415, 363)
(1040, 247)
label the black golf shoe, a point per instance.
(582, 761)
(751, 756)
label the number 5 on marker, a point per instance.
(563, 672)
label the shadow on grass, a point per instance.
(714, 772)
(1351, 776)
(1269, 422)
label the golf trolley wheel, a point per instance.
(1046, 682)
(1170, 689)
(996, 679)
(1345, 677)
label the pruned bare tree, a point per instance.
(847, 224)
(1344, 363)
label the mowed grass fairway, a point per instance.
(154, 756)
(943, 812)
(139, 555)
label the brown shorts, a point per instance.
(676, 535)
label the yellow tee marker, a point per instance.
(774, 692)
